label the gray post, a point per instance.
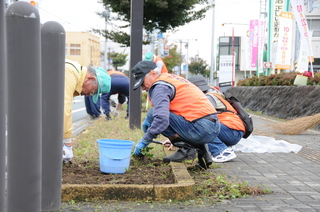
(213, 53)
(3, 96)
(52, 63)
(24, 107)
(135, 57)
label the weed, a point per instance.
(146, 152)
(72, 202)
(213, 187)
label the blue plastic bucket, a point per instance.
(114, 155)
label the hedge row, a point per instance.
(282, 79)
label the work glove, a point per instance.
(142, 144)
(116, 113)
(67, 153)
(146, 124)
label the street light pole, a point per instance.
(213, 57)
(106, 16)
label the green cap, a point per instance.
(148, 56)
(104, 83)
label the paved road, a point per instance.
(293, 178)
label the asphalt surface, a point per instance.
(294, 180)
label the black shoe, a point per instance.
(186, 151)
(127, 116)
(108, 117)
(204, 157)
(93, 117)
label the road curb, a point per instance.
(182, 189)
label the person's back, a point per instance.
(120, 84)
(227, 114)
(231, 126)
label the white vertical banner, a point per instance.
(298, 11)
(303, 57)
(283, 60)
(225, 64)
(262, 35)
(254, 41)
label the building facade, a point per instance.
(83, 47)
(240, 45)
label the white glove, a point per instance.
(67, 153)
(116, 113)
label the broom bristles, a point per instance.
(298, 125)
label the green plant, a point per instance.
(72, 202)
(216, 187)
(146, 152)
(281, 79)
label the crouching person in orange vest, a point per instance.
(231, 126)
(175, 113)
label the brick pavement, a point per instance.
(293, 178)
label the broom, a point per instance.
(298, 125)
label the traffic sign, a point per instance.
(267, 64)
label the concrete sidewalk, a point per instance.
(293, 178)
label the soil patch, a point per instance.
(141, 171)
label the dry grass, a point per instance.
(296, 126)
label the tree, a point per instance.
(158, 14)
(173, 59)
(198, 66)
(118, 59)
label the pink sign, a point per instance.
(254, 28)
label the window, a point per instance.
(225, 48)
(75, 49)
(314, 25)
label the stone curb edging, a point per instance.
(183, 189)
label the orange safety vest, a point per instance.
(110, 72)
(230, 119)
(189, 101)
(164, 67)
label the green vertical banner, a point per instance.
(270, 32)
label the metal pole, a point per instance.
(233, 65)
(24, 107)
(3, 95)
(270, 32)
(213, 57)
(187, 65)
(105, 52)
(135, 57)
(180, 69)
(106, 13)
(53, 59)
